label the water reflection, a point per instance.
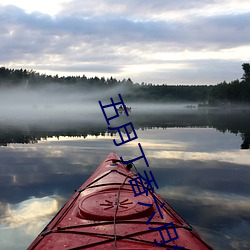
(20, 222)
(234, 121)
(29, 210)
(200, 171)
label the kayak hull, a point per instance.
(104, 213)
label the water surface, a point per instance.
(196, 157)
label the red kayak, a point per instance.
(114, 210)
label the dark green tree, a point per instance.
(246, 69)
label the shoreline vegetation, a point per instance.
(223, 95)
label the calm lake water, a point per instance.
(196, 157)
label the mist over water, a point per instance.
(60, 102)
(59, 107)
(55, 102)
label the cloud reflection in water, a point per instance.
(25, 220)
(199, 172)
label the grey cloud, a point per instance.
(217, 31)
(220, 31)
(133, 8)
(98, 40)
(208, 71)
(84, 68)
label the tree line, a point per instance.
(236, 91)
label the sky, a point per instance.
(153, 41)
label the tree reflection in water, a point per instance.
(233, 121)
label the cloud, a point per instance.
(149, 9)
(29, 210)
(125, 40)
(116, 30)
(26, 220)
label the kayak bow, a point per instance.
(104, 213)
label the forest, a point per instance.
(224, 93)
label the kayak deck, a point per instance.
(104, 212)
